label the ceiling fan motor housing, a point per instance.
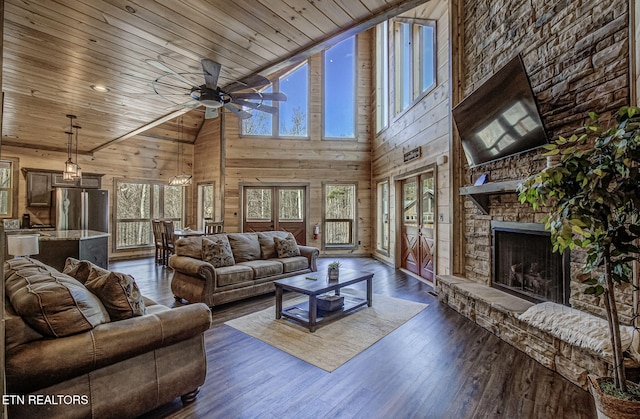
(208, 97)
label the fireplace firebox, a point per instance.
(524, 264)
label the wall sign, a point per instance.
(412, 154)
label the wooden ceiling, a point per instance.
(54, 50)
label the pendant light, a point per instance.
(78, 173)
(180, 179)
(70, 168)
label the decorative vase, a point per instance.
(609, 407)
(333, 274)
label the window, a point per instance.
(382, 76)
(339, 216)
(205, 204)
(382, 241)
(139, 202)
(415, 61)
(8, 188)
(339, 99)
(291, 119)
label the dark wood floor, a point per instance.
(437, 365)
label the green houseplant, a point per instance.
(593, 199)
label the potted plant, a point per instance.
(593, 199)
(333, 270)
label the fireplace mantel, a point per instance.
(480, 194)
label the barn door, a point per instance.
(282, 208)
(418, 218)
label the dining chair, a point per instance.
(213, 227)
(158, 231)
(169, 239)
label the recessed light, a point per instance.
(129, 9)
(100, 88)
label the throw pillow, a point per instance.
(118, 292)
(78, 269)
(217, 251)
(245, 246)
(52, 303)
(286, 247)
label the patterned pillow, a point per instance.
(217, 251)
(118, 292)
(287, 247)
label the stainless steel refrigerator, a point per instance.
(81, 209)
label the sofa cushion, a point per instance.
(118, 292)
(217, 251)
(189, 246)
(264, 268)
(236, 274)
(52, 303)
(286, 247)
(245, 246)
(267, 244)
(296, 263)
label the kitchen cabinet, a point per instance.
(87, 181)
(38, 189)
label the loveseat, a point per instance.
(87, 344)
(221, 268)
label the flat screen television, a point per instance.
(500, 118)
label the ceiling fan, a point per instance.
(244, 93)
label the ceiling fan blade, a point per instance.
(237, 111)
(162, 67)
(211, 70)
(258, 106)
(210, 113)
(260, 96)
(254, 81)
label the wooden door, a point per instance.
(418, 225)
(283, 208)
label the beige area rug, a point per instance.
(335, 343)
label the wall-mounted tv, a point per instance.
(500, 118)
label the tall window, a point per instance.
(8, 189)
(139, 202)
(339, 99)
(382, 241)
(205, 204)
(382, 76)
(339, 216)
(291, 118)
(415, 61)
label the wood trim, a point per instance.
(42, 147)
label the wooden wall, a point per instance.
(309, 161)
(427, 125)
(208, 165)
(138, 158)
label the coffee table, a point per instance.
(307, 313)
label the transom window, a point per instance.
(415, 60)
(137, 204)
(339, 216)
(291, 119)
(339, 99)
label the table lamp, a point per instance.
(22, 245)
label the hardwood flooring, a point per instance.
(437, 365)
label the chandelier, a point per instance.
(180, 179)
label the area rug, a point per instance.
(335, 343)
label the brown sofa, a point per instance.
(243, 265)
(90, 346)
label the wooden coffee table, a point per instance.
(307, 312)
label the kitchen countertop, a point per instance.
(50, 235)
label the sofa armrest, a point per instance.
(312, 254)
(192, 266)
(45, 362)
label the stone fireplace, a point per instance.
(524, 264)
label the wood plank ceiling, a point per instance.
(54, 50)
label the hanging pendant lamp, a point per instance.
(78, 172)
(70, 168)
(180, 179)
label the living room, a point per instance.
(577, 58)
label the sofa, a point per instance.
(221, 268)
(84, 343)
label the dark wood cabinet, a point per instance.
(38, 189)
